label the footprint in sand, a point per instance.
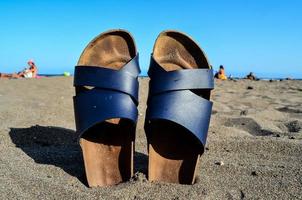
(292, 111)
(289, 110)
(249, 125)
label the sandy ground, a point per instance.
(254, 148)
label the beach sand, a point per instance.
(254, 148)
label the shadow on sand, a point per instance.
(59, 147)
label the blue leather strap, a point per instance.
(98, 105)
(163, 81)
(184, 108)
(171, 98)
(115, 94)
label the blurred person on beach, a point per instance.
(221, 74)
(30, 72)
(251, 76)
(231, 77)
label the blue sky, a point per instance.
(263, 36)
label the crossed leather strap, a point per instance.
(170, 98)
(115, 94)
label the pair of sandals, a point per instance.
(178, 108)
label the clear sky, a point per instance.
(263, 36)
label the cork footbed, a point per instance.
(173, 151)
(108, 147)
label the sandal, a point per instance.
(105, 107)
(178, 108)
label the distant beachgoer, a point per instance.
(33, 70)
(251, 76)
(221, 74)
(30, 72)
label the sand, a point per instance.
(254, 148)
